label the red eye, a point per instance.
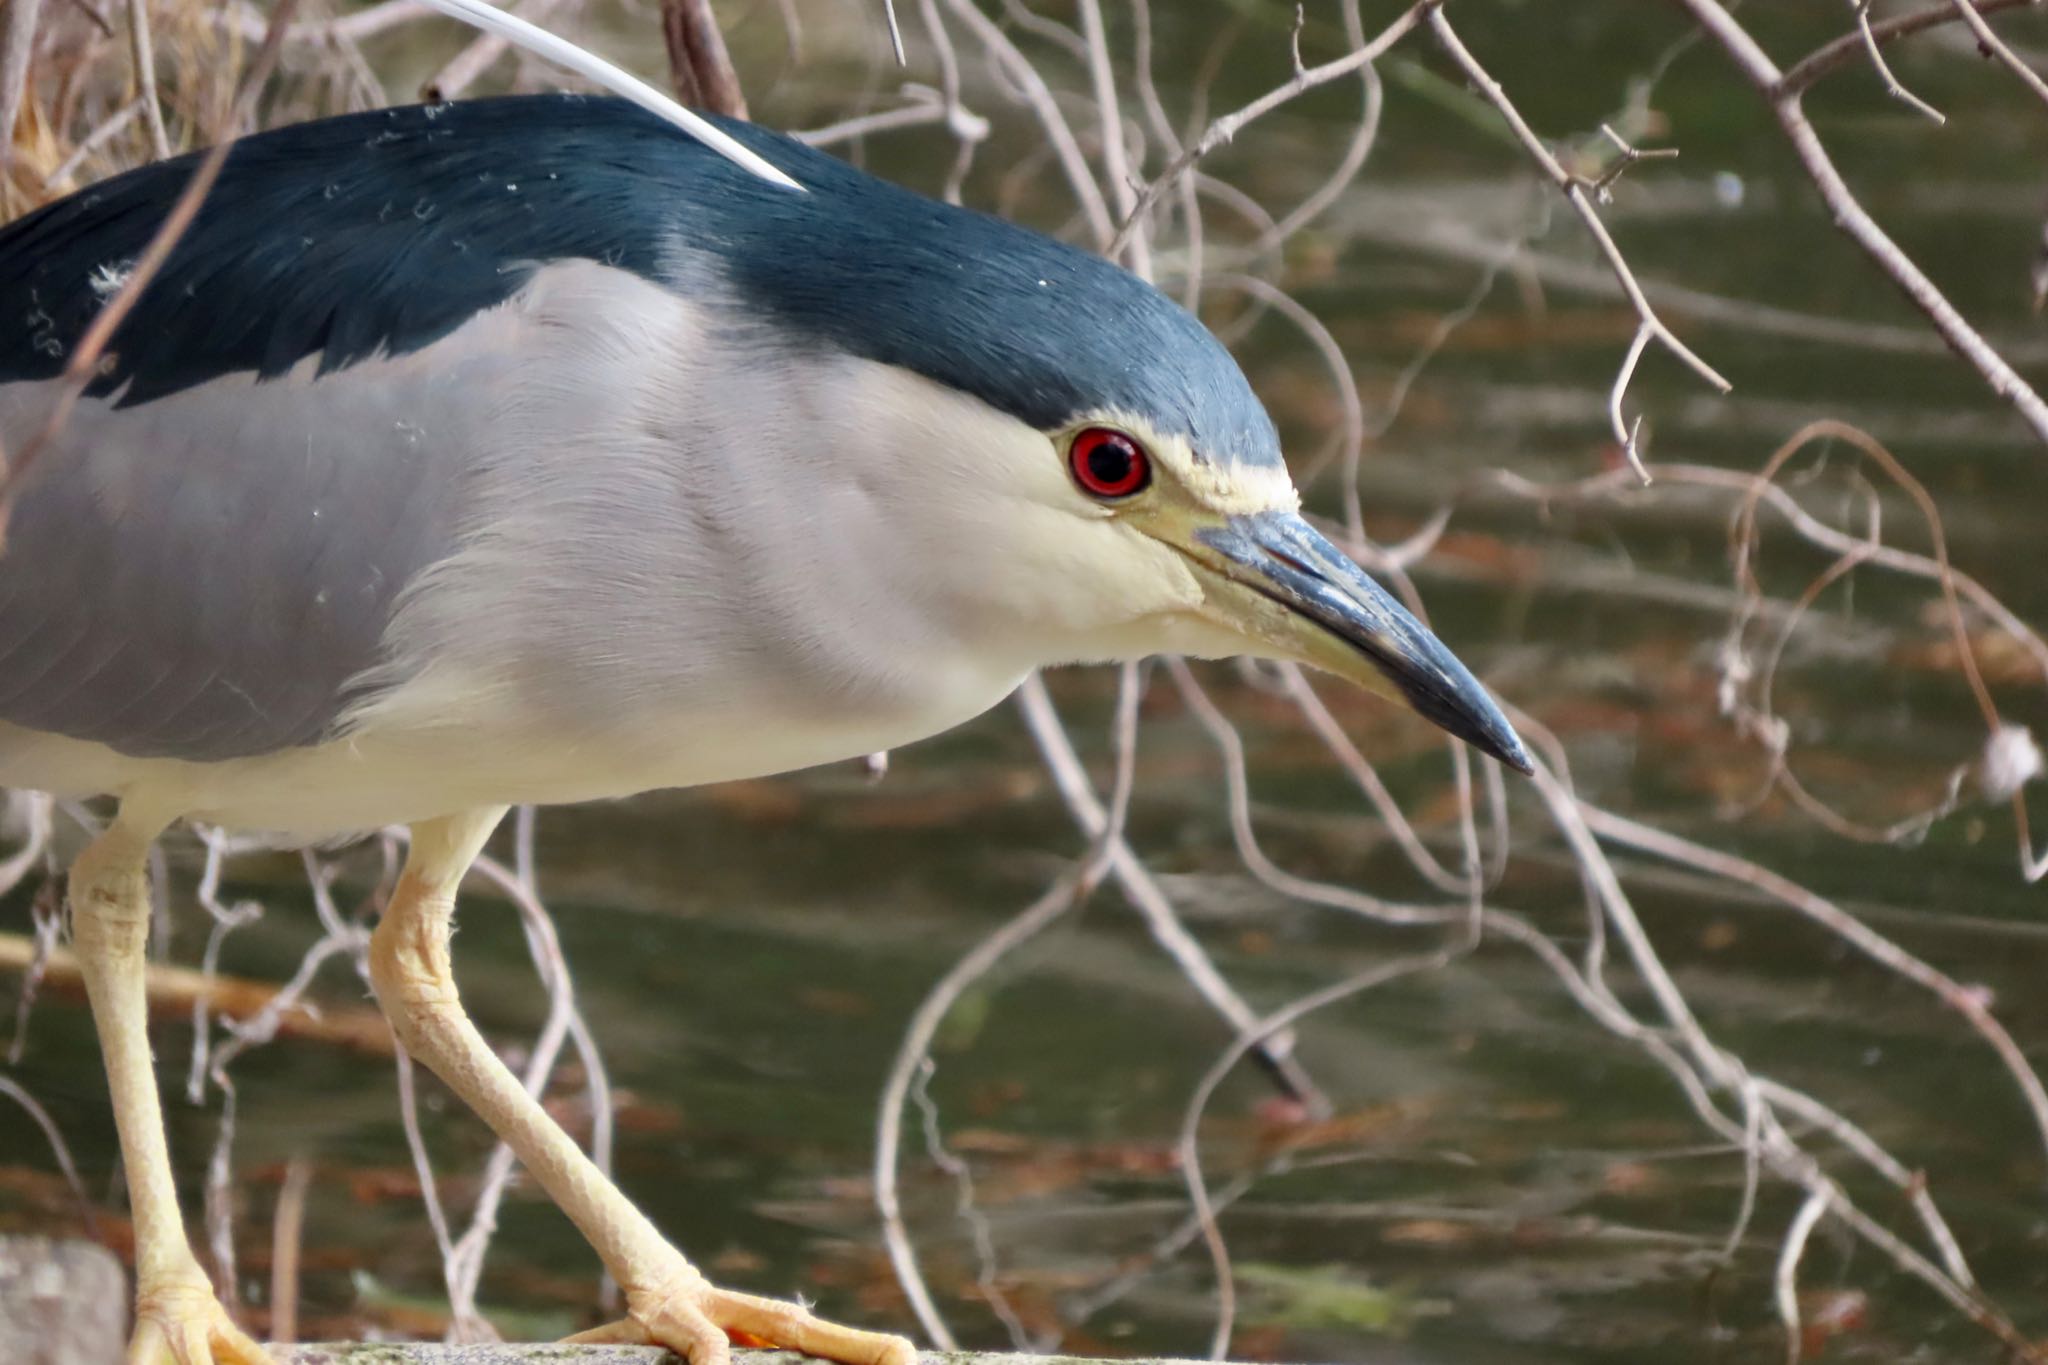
(1108, 463)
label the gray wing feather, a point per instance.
(205, 576)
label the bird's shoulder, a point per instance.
(348, 237)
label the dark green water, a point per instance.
(1514, 1184)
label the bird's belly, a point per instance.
(393, 772)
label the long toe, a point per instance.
(675, 1322)
(795, 1328)
(692, 1319)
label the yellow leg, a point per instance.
(178, 1321)
(668, 1303)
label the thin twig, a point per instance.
(1579, 194)
(93, 141)
(1786, 1283)
(1188, 1145)
(250, 24)
(1628, 155)
(895, 32)
(143, 52)
(1038, 97)
(1156, 118)
(1364, 136)
(967, 131)
(59, 1149)
(1223, 129)
(1845, 927)
(462, 1322)
(1625, 433)
(287, 1238)
(1143, 892)
(926, 106)
(17, 47)
(466, 67)
(1994, 46)
(1367, 779)
(1892, 85)
(1350, 435)
(988, 1273)
(1832, 56)
(1134, 246)
(1033, 920)
(564, 1024)
(1912, 1184)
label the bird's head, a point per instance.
(1234, 568)
(1106, 537)
(1090, 472)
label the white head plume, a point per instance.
(620, 82)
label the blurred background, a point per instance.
(1480, 1169)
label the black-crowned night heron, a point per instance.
(527, 451)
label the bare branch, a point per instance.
(1833, 56)
(1786, 1290)
(1575, 191)
(1142, 889)
(93, 141)
(1230, 125)
(1847, 928)
(60, 1150)
(967, 130)
(143, 52)
(287, 1235)
(1137, 246)
(1038, 97)
(1909, 1183)
(17, 47)
(1625, 433)
(895, 32)
(466, 67)
(698, 61)
(1629, 155)
(1996, 47)
(1892, 84)
(249, 22)
(1189, 1148)
(1364, 135)
(903, 1073)
(926, 106)
(1851, 217)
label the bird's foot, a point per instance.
(182, 1323)
(692, 1317)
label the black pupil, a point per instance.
(1109, 462)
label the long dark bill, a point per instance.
(1282, 557)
